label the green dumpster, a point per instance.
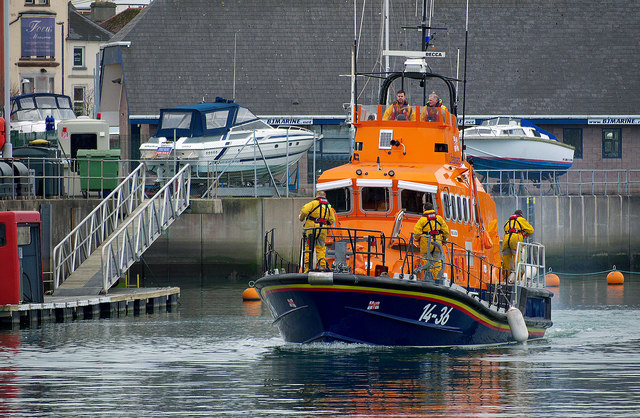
(98, 170)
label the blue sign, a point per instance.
(38, 36)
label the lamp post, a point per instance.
(62, 49)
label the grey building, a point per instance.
(572, 66)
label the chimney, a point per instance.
(102, 10)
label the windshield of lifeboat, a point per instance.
(37, 108)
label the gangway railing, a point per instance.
(127, 245)
(85, 238)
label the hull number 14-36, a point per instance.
(440, 316)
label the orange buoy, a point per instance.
(615, 277)
(552, 280)
(250, 293)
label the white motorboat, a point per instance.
(222, 138)
(506, 143)
(29, 112)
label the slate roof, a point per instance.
(120, 20)
(530, 57)
(83, 29)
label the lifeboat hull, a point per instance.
(342, 307)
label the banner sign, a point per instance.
(614, 121)
(289, 121)
(38, 36)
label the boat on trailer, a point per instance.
(377, 288)
(506, 143)
(222, 140)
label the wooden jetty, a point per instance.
(119, 302)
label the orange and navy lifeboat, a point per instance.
(374, 285)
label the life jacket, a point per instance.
(511, 224)
(324, 206)
(433, 224)
(398, 110)
(433, 111)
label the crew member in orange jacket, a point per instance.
(515, 230)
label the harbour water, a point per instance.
(220, 356)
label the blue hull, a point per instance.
(394, 312)
(482, 163)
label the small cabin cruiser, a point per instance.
(29, 112)
(506, 143)
(222, 138)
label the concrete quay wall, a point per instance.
(581, 233)
(225, 237)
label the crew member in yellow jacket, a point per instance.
(317, 214)
(400, 109)
(435, 226)
(515, 230)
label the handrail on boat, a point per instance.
(352, 238)
(485, 280)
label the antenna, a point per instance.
(235, 37)
(464, 80)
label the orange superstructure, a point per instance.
(395, 168)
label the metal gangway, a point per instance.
(99, 251)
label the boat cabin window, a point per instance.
(176, 120)
(446, 205)
(478, 131)
(454, 208)
(244, 115)
(38, 108)
(375, 199)
(460, 208)
(340, 199)
(465, 209)
(517, 131)
(47, 102)
(250, 126)
(368, 112)
(217, 119)
(441, 148)
(413, 201)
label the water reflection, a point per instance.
(221, 356)
(9, 388)
(615, 294)
(391, 381)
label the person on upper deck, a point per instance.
(432, 111)
(317, 214)
(433, 225)
(515, 230)
(400, 109)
